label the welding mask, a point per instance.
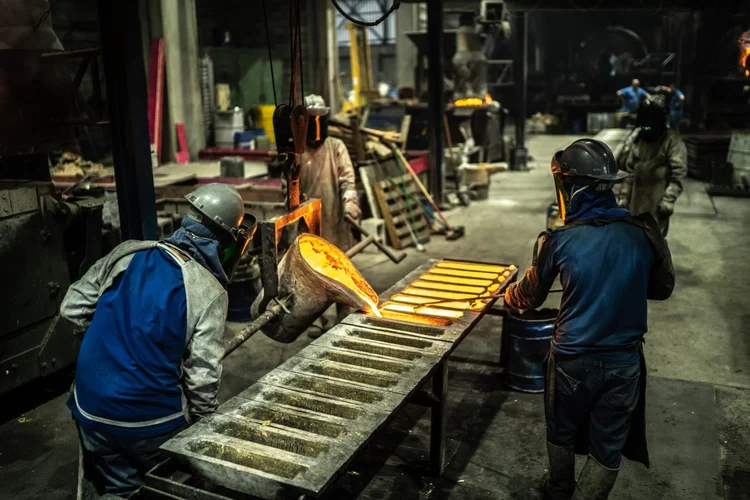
(585, 163)
(652, 118)
(233, 249)
(317, 127)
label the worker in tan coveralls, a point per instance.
(656, 159)
(327, 173)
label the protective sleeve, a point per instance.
(79, 304)
(532, 290)
(347, 180)
(625, 162)
(677, 163)
(662, 279)
(202, 364)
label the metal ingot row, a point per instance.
(297, 428)
(448, 290)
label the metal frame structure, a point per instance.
(383, 34)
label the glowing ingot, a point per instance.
(463, 274)
(422, 310)
(423, 292)
(447, 286)
(457, 281)
(487, 268)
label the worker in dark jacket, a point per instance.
(152, 316)
(609, 263)
(656, 158)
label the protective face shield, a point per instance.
(586, 163)
(317, 127)
(232, 252)
(652, 118)
(317, 130)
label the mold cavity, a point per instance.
(426, 328)
(332, 389)
(313, 404)
(267, 437)
(377, 349)
(270, 465)
(391, 339)
(294, 421)
(354, 376)
(374, 364)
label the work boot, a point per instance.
(561, 480)
(595, 482)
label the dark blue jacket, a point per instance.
(608, 269)
(130, 363)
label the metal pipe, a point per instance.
(126, 93)
(436, 105)
(360, 246)
(521, 75)
(395, 258)
(274, 309)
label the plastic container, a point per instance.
(226, 125)
(263, 118)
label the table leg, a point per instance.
(437, 414)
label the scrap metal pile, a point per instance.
(296, 430)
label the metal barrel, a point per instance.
(526, 339)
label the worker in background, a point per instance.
(327, 173)
(631, 99)
(676, 107)
(656, 158)
(609, 263)
(152, 316)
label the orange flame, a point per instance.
(744, 53)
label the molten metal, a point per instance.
(424, 310)
(464, 274)
(457, 281)
(465, 266)
(329, 261)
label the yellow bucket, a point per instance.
(263, 118)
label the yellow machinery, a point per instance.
(361, 70)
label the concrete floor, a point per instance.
(697, 349)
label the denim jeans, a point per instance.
(596, 397)
(117, 465)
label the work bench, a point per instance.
(296, 430)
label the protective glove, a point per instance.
(665, 208)
(351, 208)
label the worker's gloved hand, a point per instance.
(351, 208)
(665, 208)
(351, 205)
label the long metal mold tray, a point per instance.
(371, 372)
(249, 457)
(449, 331)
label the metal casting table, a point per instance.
(296, 430)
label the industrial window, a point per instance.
(367, 10)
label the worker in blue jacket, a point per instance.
(609, 263)
(631, 99)
(152, 316)
(676, 107)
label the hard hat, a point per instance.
(588, 158)
(315, 105)
(220, 204)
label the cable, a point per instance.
(301, 62)
(396, 4)
(270, 58)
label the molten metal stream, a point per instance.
(319, 255)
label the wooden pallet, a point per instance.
(394, 209)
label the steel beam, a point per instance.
(436, 104)
(521, 76)
(126, 93)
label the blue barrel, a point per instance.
(526, 340)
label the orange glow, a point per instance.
(457, 281)
(412, 318)
(447, 286)
(329, 261)
(475, 305)
(465, 266)
(465, 274)
(423, 310)
(468, 102)
(437, 294)
(743, 59)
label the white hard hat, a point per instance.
(315, 105)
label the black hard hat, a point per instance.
(588, 158)
(652, 117)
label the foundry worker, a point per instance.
(656, 158)
(609, 263)
(676, 107)
(631, 99)
(326, 172)
(152, 316)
